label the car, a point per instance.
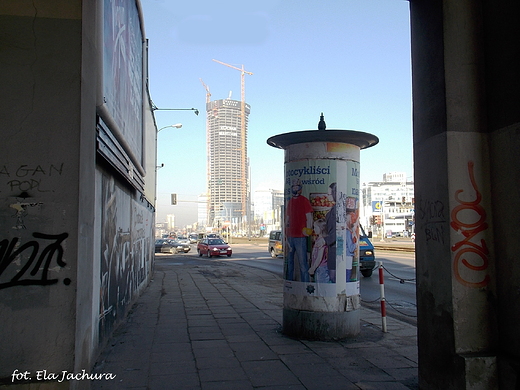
(213, 247)
(367, 258)
(275, 246)
(182, 246)
(164, 245)
(193, 237)
(170, 246)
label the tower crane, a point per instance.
(208, 179)
(208, 94)
(243, 72)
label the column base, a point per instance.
(312, 325)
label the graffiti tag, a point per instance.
(37, 263)
(27, 177)
(469, 218)
(432, 213)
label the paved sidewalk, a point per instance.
(216, 325)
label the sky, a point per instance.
(349, 59)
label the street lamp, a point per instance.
(176, 126)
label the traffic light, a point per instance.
(174, 199)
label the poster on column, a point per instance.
(321, 227)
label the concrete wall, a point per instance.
(466, 130)
(74, 229)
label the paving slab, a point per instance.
(214, 325)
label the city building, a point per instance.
(161, 229)
(170, 222)
(267, 208)
(202, 210)
(228, 173)
(388, 205)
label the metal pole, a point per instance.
(383, 301)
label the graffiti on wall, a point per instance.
(126, 249)
(29, 263)
(21, 212)
(468, 218)
(432, 213)
(23, 178)
(36, 261)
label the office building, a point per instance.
(228, 176)
(267, 206)
(202, 210)
(388, 205)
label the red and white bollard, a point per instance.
(382, 292)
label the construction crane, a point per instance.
(243, 72)
(208, 178)
(242, 78)
(208, 94)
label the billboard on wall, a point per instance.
(122, 82)
(377, 206)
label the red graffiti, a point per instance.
(470, 229)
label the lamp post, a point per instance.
(176, 126)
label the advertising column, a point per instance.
(321, 233)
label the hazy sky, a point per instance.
(349, 59)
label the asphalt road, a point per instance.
(398, 277)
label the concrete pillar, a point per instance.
(460, 135)
(321, 231)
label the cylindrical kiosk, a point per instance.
(321, 231)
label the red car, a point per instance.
(213, 247)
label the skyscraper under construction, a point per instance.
(228, 176)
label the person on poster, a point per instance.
(319, 267)
(299, 227)
(330, 239)
(351, 240)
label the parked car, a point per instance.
(213, 247)
(275, 246)
(367, 257)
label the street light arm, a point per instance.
(155, 108)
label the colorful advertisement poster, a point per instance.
(321, 225)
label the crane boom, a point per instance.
(234, 67)
(242, 78)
